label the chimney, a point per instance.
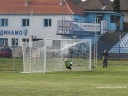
(61, 2)
(27, 2)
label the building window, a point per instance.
(47, 22)
(4, 22)
(56, 44)
(14, 42)
(76, 20)
(25, 22)
(25, 40)
(3, 42)
(114, 19)
(99, 18)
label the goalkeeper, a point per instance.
(68, 63)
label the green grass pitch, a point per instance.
(112, 81)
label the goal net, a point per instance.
(50, 55)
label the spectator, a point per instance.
(105, 58)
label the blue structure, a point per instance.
(106, 21)
(114, 20)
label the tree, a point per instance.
(116, 5)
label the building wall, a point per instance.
(36, 28)
(90, 18)
(125, 13)
(122, 23)
(112, 26)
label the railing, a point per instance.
(69, 28)
(121, 46)
(118, 49)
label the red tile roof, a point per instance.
(39, 7)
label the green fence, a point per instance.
(11, 64)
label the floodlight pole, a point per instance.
(90, 56)
(62, 9)
(95, 44)
(119, 45)
(44, 55)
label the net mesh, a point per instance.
(33, 57)
(50, 55)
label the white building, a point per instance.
(22, 19)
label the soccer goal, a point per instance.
(51, 55)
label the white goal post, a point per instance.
(49, 55)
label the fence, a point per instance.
(115, 43)
(118, 55)
(11, 59)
